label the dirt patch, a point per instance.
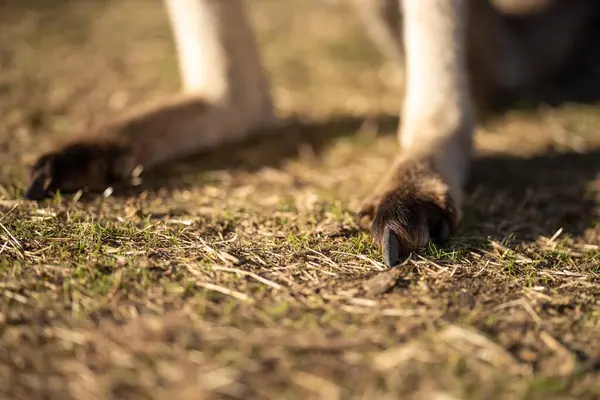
(241, 273)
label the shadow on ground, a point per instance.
(524, 197)
(534, 196)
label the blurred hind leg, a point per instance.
(225, 98)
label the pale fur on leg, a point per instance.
(438, 119)
(420, 196)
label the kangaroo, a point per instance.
(450, 50)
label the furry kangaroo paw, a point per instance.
(84, 165)
(411, 207)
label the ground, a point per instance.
(242, 274)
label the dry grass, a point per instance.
(241, 274)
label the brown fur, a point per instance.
(413, 202)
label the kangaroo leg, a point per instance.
(420, 196)
(225, 98)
